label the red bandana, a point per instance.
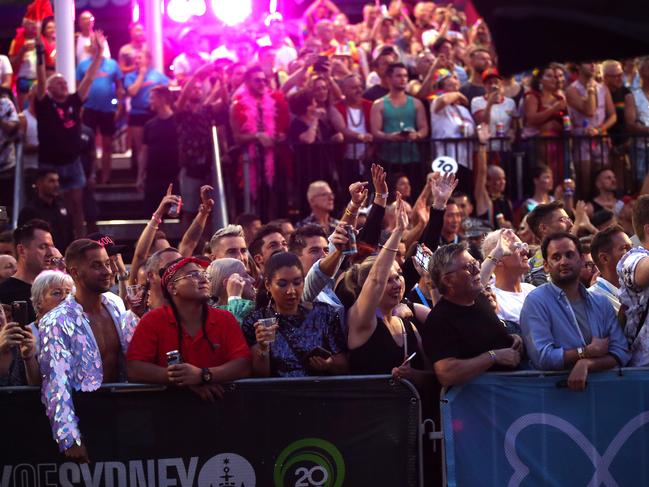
(174, 268)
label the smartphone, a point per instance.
(320, 352)
(421, 257)
(19, 313)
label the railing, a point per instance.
(330, 431)
(340, 164)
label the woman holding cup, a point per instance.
(231, 287)
(289, 338)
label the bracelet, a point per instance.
(157, 220)
(233, 298)
(123, 277)
(150, 224)
(492, 354)
(350, 213)
(383, 196)
(440, 208)
(390, 250)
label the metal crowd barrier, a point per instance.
(575, 156)
(527, 428)
(324, 431)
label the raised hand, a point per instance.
(358, 193)
(483, 133)
(378, 179)
(402, 215)
(339, 238)
(167, 200)
(206, 201)
(235, 285)
(442, 188)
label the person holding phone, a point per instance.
(18, 365)
(306, 339)
(380, 342)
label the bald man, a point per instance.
(321, 200)
(58, 113)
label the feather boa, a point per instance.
(246, 114)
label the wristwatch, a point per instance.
(206, 375)
(581, 353)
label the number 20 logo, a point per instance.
(311, 462)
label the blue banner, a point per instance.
(523, 430)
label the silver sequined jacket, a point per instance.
(69, 360)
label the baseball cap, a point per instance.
(490, 73)
(107, 242)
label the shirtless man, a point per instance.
(81, 342)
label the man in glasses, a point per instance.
(507, 257)
(321, 200)
(543, 221)
(564, 325)
(462, 336)
(82, 343)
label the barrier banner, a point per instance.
(517, 429)
(328, 432)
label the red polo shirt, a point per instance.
(157, 333)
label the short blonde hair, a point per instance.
(46, 280)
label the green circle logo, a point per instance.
(311, 462)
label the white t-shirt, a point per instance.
(500, 113)
(355, 123)
(83, 48)
(510, 304)
(453, 122)
(5, 66)
(188, 65)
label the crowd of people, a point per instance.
(313, 98)
(434, 281)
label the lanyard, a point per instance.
(423, 299)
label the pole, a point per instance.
(220, 213)
(153, 24)
(19, 184)
(65, 45)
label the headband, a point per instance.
(171, 271)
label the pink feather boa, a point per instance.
(246, 114)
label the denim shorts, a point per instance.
(71, 176)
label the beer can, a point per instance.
(567, 123)
(500, 129)
(174, 209)
(351, 247)
(173, 357)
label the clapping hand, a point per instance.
(378, 179)
(402, 215)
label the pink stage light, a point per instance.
(232, 12)
(182, 10)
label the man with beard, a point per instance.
(267, 242)
(462, 336)
(400, 118)
(566, 326)
(33, 245)
(82, 343)
(480, 60)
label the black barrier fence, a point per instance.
(325, 432)
(340, 164)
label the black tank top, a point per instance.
(380, 353)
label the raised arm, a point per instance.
(148, 234)
(361, 317)
(200, 74)
(371, 231)
(480, 193)
(195, 230)
(97, 48)
(41, 76)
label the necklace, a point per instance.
(351, 117)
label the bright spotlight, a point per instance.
(232, 12)
(182, 10)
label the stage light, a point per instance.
(182, 10)
(135, 17)
(232, 12)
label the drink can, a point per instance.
(173, 357)
(351, 247)
(567, 123)
(174, 210)
(500, 129)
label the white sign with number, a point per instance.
(445, 164)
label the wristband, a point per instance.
(438, 208)
(390, 250)
(157, 219)
(383, 196)
(123, 277)
(492, 354)
(493, 259)
(233, 298)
